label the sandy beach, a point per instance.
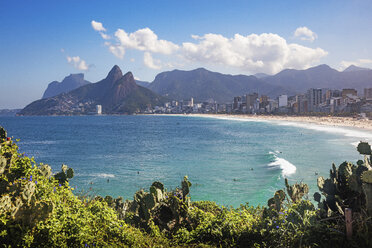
(364, 124)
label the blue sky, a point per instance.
(43, 41)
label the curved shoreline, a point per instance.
(363, 124)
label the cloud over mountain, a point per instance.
(266, 52)
(78, 63)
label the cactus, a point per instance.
(364, 148)
(167, 210)
(367, 176)
(317, 197)
(3, 134)
(28, 191)
(2, 164)
(5, 203)
(65, 174)
(367, 189)
(296, 191)
(277, 201)
(45, 170)
(185, 186)
(348, 185)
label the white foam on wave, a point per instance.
(355, 144)
(287, 167)
(41, 142)
(103, 175)
(232, 118)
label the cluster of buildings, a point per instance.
(188, 106)
(314, 101)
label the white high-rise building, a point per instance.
(99, 109)
(283, 101)
(314, 98)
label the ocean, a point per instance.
(230, 161)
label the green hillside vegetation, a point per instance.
(40, 209)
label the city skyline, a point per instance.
(44, 42)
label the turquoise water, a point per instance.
(228, 161)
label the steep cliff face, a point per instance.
(117, 93)
(69, 83)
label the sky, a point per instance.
(45, 41)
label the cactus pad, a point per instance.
(2, 164)
(364, 148)
(45, 170)
(2, 133)
(367, 176)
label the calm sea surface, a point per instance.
(228, 161)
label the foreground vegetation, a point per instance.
(39, 209)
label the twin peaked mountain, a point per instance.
(117, 93)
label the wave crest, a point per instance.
(287, 167)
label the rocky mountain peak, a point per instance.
(114, 74)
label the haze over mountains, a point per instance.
(322, 76)
(117, 93)
(71, 82)
(202, 85)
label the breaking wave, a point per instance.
(287, 167)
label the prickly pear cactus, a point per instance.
(367, 188)
(5, 203)
(364, 148)
(28, 191)
(167, 210)
(2, 164)
(45, 170)
(296, 191)
(3, 134)
(277, 201)
(367, 176)
(65, 174)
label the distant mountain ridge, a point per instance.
(71, 82)
(322, 76)
(117, 93)
(202, 85)
(355, 68)
(143, 83)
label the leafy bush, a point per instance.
(39, 209)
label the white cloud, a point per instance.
(150, 62)
(305, 33)
(360, 62)
(78, 63)
(116, 50)
(97, 26)
(105, 36)
(145, 40)
(268, 53)
(137, 78)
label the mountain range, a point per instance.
(117, 93)
(71, 82)
(202, 85)
(322, 76)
